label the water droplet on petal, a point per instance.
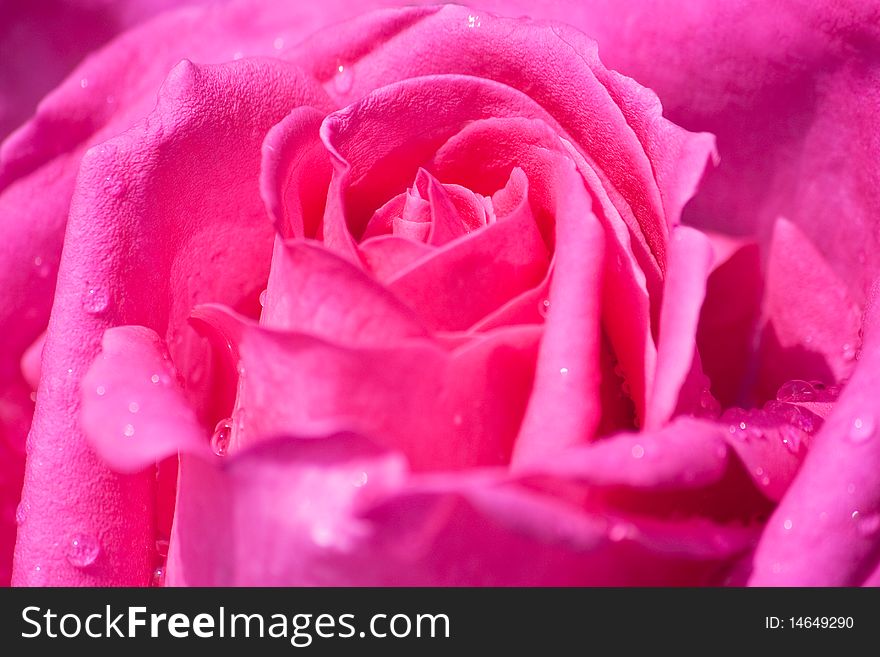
(82, 550)
(278, 43)
(544, 307)
(619, 532)
(862, 429)
(263, 298)
(796, 391)
(237, 55)
(158, 577)
(95, 300)
(21, 512)
(222, 436)
(473, 21)
(343, 80)
(128, 430)
(563, 371)
(360, 480)
(133, 407)
(84, 82)
(848, 352)
(100, 390)
(638, 451)
(787, 524)
(155, 378)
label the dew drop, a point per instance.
(128, 430)
(742, 426)
(158, 580)
(222, 435)
(133, 407)
(618, 532)
(544, 307)
(563, 371)
(95, 300)
(637, 451)
(262, 298)
(278, 43)
(360, 480)
(33, 396)
(343, 79)
(21, 513)
(765, 481)
(796, 391)
(237, 55)
(83, 550)
(114, 187)
(155, 378)
(787, 524)
(862, 429)
(473, 21)
(84, 82)
(100, 390)
(848, 352)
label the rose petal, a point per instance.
(443, 410)
(139, 226)
(312, 290)
(295, 173)
(564, 408)
(688, 453)
(134, 412)
(826, 531)
(690, 261)
(463, 281)
(811, 326)
(613, 121)
(354, 519)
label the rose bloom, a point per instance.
(353, 294)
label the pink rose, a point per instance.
(409, 300)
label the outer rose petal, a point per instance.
(366, 524)
(826, 530)
(133, 409)
(146, 241)
(793, 107)
(811, 326)
(41, 40)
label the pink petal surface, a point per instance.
(826, 530)
(443, 410)
(690, 260)
(134, 411)
(687, 453)
(562, 73)
(369, 524)
(564, 407)
(811, 328)
(42, 40)
(176, 231)
(791, 104)
(312, 290)
(295, 173)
